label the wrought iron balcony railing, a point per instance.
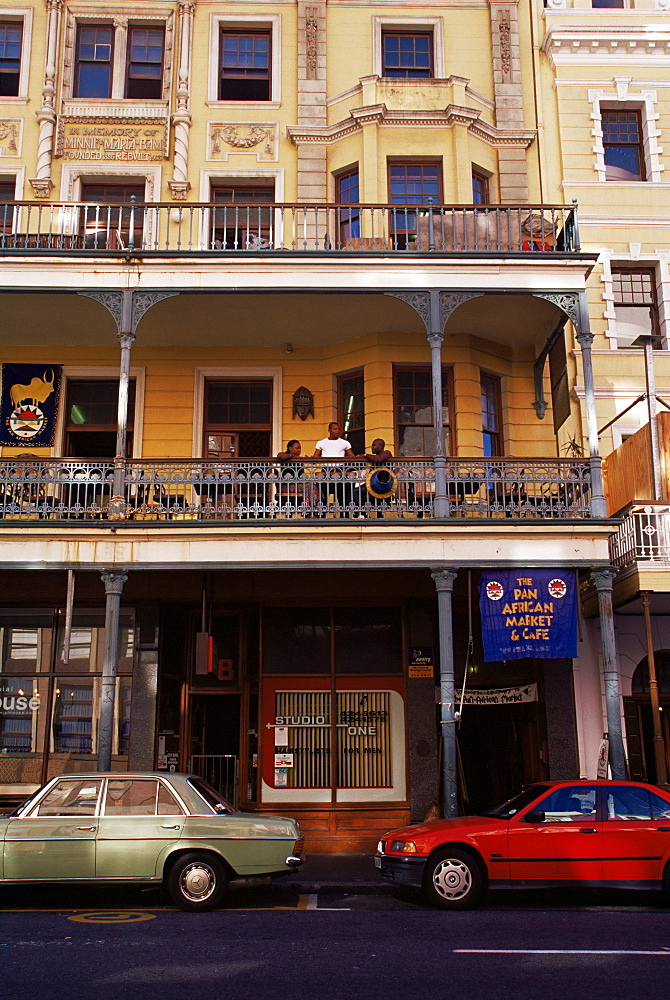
(253, 490)
(212, 229)
(643, 536)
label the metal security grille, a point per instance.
(363, 738)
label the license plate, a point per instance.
(378, 862)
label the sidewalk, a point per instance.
(337, 873)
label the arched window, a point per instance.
(641, 676)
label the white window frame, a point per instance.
(18, 175)
(104, 373)
(273, 373)
(659, 261)
(420, 24)
(23, 15)
(623, 98)
(120, 19)
(256, 22)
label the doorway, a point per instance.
(215, 741)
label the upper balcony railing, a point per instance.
(262, 490)
(643, 537)
(213, 229)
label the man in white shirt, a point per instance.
(334, 446)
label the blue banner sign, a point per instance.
(29, 403)
(528, 612)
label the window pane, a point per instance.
(296, 641)
(567, 805)
(71, 797)
(406, 54)
(93, 71)
(245, 66)
(131, 797)
(11, 34)
(622, 141)
(368, 640)
(628, 803)
(22, 704)
(660, 808)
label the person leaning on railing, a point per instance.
(295, 492)
(334, 446)
(378, 457)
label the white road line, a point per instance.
(553, 951)
(312, 901)
(313, 904)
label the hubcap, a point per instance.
(198, 881)
(452, 879)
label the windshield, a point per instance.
(514, 805)
(210, 795)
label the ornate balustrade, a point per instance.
(155, 491)
(643, 536)
(159, 229)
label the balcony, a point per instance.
(643, 539)
(265, 490)
(176, 230)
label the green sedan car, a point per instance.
(173, 829)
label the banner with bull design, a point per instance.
(29, 404)
(528, 612)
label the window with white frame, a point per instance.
(408, 47)
(635, 305)
(626, 135)
(15, 36)
(116, 57)
(245, 59)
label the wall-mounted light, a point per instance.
(289, 348)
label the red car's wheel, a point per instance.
(453, 879)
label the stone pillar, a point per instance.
(181, 119)
(113, 581)
(312, 166)
(512, 169)
(603, 580)
(46, 116)
(585, 339)
(444, 584)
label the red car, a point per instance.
(557, 833)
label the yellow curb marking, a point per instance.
(112, 917)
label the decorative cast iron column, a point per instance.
(444, 584)
(603, 579)
(113, 580)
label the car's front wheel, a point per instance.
(453, 879)
(197, 882)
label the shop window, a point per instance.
(367, 640)
(491, 415)
(414, 412)
(144, 76)
(296, 641)
(351, 392)
(11, 41)
(92, 416)
(623, 145)
(407, 54)
(241, 223)
(412, 183)
(238, 418)
(635, 306)
(245, 65)
(347, 193)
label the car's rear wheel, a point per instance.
(197, 881)
(453, 879)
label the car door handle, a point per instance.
(664, 829)
(168, 826)
(588, 829)
(88, 828)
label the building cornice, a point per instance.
(379, 114)
(567, 45)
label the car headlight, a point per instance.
(403, 847)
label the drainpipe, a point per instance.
(444, 584)
(585, 339)
(113, 581)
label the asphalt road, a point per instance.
(276, 944)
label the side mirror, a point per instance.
(535, 816)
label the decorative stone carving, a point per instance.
(311, 34)
(135, 140)
(257, 138)
(9, 135)
(504, 31)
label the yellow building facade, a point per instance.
(226, 226)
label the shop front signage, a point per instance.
(130, 140)
(420, 661)
(501, 696)
(528, 613)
